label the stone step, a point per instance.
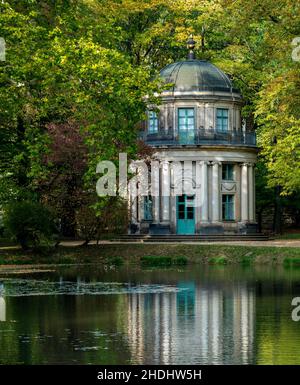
(192, 238)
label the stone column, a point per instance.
(172, 199)
(155, 190)
(142, 189)
(201, 121)
(244, 193)
(238, 119)
(133, 201)
(237, 197)
(204, 192)
(209, 117)
(140, 202)
(215, 191)
(198, 193)
(165, 112)
(171, 125)
(251, 193)
(165, 188)
(230, 119)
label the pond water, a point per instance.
(193, 315)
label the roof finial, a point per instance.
(191, 46)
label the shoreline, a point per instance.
(110, 253)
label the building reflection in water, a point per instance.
(2, 304)
(198, 324)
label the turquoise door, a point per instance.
(185, 214)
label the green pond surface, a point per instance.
(129, 315)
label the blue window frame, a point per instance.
(222, 119)
(186, 125)
(228, 207)
(186, 119)
(148, 208)
(153, 122)
(227, 172)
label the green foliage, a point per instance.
(116, 261)
(291, 262)
(89, 65)
(163, 261)
(156, 261)
(113, 214)
(247, 259)
(218, 261)
(180, 261)
(88, 224)
(29, 223)
(259, 56)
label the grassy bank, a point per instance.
(137, 253)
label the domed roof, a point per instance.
(196, 75)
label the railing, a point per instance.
(201, 137)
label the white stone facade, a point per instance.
(210, 202)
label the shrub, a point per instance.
(88, 223)
(29, 223)
(116, 261)
(180, 261)
(291, 262)
(163, 261)
(246, 260)
(156, 261)
(218, 261)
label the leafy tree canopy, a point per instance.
(92, 62)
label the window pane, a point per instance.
(181, 198)
(228, 207)
(224, 171)
(222, 119)
(190, 212)
(181, 212)
(153, 122)
(223, 211)
(227, 172)
(186, 117)
(230, 211)
(148, 208)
